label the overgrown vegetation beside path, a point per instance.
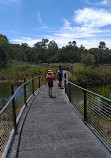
(92, 76)
(17, 71)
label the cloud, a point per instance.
(61, 41)
(9, 1)
(87, 2)
(96, 18)
(87, 43)
(39, 18)
(43, 26)
(99, 3)
(105, 2)
(66, 23)
(27, 40)
(90, 29)
(90, 22)
(94, 43)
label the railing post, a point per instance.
(39, 81)
(69, 86)
(85, 105)
(32, 85)
(65, 82)
(13, 109)
(25, 93)
(68, 76)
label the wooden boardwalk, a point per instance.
(53, 130)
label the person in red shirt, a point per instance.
(50, 78)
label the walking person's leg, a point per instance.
(60, 80)
(60, 83)
(51, 85)
(50, 91)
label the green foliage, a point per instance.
(88, 60)
(19, 70)
(102, 90)
(3, 58)
(91, 75)
(4, 46)
(46, 51)
(102, 45)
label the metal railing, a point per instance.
(10, 112)
(94, 109)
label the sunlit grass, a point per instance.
(100, 75)
(19, 70)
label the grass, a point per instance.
(92, 76)
(18, 71)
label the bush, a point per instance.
(91, 75)
(88, 60)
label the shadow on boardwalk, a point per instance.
(53, 130)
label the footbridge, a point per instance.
(71, 124)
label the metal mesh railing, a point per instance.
(99, 115)
(93, 108)
(6, 125)
(10, 112)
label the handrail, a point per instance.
(11, 111)
(94, 109)
(100, 96)
(7, 104)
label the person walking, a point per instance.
(50, 78)
(59, 74)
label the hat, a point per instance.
(49, 71)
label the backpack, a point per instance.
(60, 72)
(49, 78)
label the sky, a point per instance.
(28, 21)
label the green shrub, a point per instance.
(91, 75)
(88, 60)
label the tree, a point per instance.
(96, 53)
(24, 51)
(15, 52)
(82, 48)
(40, 48)
(3, 58)
(4, 48)
(107, 56)
(52, 44)
(102, 47)
(4, 43)
(73, 43)
(88, 60)
(51, 52)
(42, 44)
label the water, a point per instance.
(5, 92)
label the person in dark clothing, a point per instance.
(59, 75)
